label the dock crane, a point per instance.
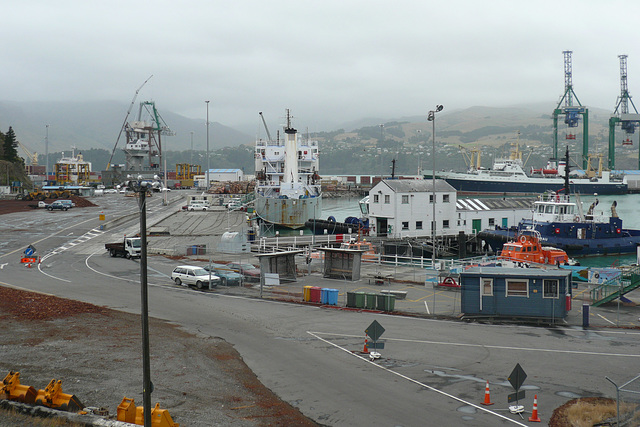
(33, 156)
(628, 121)
(571, 112)
(266, 128)
(124, 124)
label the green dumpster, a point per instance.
(360, 299)
(351, 299)
(370, 301)
(389, 303)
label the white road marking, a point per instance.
(415, 381)
(497, 347)
(605, 319)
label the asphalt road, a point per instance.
(431, 373)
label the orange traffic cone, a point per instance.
(487, 396)
(365, 350)
(534, 415)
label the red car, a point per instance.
(249, 271)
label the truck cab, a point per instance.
(130, 247)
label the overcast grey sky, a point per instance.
(329, 61)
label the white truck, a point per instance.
(130, 247)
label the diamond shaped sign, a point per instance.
(375, 330)
(517, 377)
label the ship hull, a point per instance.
(533, 186)
(289, 213)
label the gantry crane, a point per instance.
(571, 112)
(628, 122)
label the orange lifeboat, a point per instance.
(527, 248)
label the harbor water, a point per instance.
(628, 208)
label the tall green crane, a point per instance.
(628, 122)
(571, 112)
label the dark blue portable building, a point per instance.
(516, 292)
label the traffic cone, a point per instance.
(534, 415)
(487, 396)
(365, 350)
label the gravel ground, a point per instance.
(96, 352)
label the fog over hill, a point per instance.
(97, 125)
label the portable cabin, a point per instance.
(515, 292)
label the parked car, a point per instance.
(249, 271)
(57, 206)
(191, 275)
(228, 276)
(197, 206)
(69, 203)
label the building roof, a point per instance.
(417, 185)
(224, 170)
(498, 203)
(516, 272)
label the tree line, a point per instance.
(9, 147)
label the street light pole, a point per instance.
(432, 118)
(140, 187)
(191, 161)
(208, 167)
(46, 149)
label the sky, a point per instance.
(328, 61)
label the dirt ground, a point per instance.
(11, 206)
(96, 352)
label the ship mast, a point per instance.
(291, 155)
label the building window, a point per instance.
(387, 199)
(418, 225)
(550, 288)
(376, 198)
(487, 287)
(445, 198)
(430, 198)
(405, 225)
(405, 199)
(445, 223)
(517, 288)
(492, 222)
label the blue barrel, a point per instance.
(333, 296)
(324, 295)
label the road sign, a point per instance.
(375, 330)
(517, 377)
(514, 397)
(30, 250)
(376, 345)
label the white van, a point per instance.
(191, 275)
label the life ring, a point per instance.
(523, 239)
(576, 218)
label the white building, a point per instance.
(219, 175)
(403, 208)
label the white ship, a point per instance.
(288, 191)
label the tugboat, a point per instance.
(526, 248)
(562, 224)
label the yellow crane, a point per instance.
(32, 156)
